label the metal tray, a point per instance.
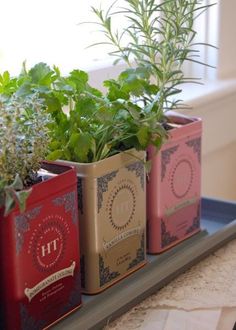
(218, 227)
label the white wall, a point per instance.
(227, 44)
(217, 108)
(219, 173)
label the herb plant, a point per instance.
(88, 126)
(23, 145)
(158, 39)
(98, 126)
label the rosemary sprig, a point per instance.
(159, 36)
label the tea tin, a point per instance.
(39, 255)
(112, 212)
(174, 187)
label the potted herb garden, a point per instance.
(96, 145)
(104, 137)
(156, 41)
(39, 256)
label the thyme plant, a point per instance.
(23, 145)
(159, 37)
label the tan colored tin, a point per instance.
(112, 206)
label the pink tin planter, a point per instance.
(174, 187)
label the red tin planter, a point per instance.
(39, 256)
(173, 188)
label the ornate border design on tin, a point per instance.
(22, 225)
(140, 256)
(82, 270)
(177, 195)
(195, 144)
(196, 222)
(105, 275)
(138, 168)
(131, 216)
(80, 195)
(74, 299)
(69, 202)
(28, 322)
(166, 237)
(165, 159)
(102, 186)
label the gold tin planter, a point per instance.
(112, 206)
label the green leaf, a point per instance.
(79, 75)
(151, 89)
(41, 74)
(6, 77)
(56, 70)
(105, 151)
(94, 91)
(143, 136)
(114, 90)
(74, 140)
(12, 197)
(17, 183)
(8, 85)
(157, 142)
(24, 90)
(84, 107)
(53, 104)
(56, 154)
(127, 74)
(83, 144)
(54, 145)
(93, 147)
(67, 154)
(9, 203)
(79, 79)
(103, 115)
(143, 72)
(148, 166)
(22, 198)
(123, 115)
(134, 110)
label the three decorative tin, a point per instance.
(112, 212)
(173, 188)
(39, 250)
(39, 255)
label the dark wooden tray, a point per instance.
(218, 227)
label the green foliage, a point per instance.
(87, 125)
(157, 40)
(23, 145)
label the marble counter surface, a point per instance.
(202, 298)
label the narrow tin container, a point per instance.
(39, 255)
(174, 188)
(112, 212)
